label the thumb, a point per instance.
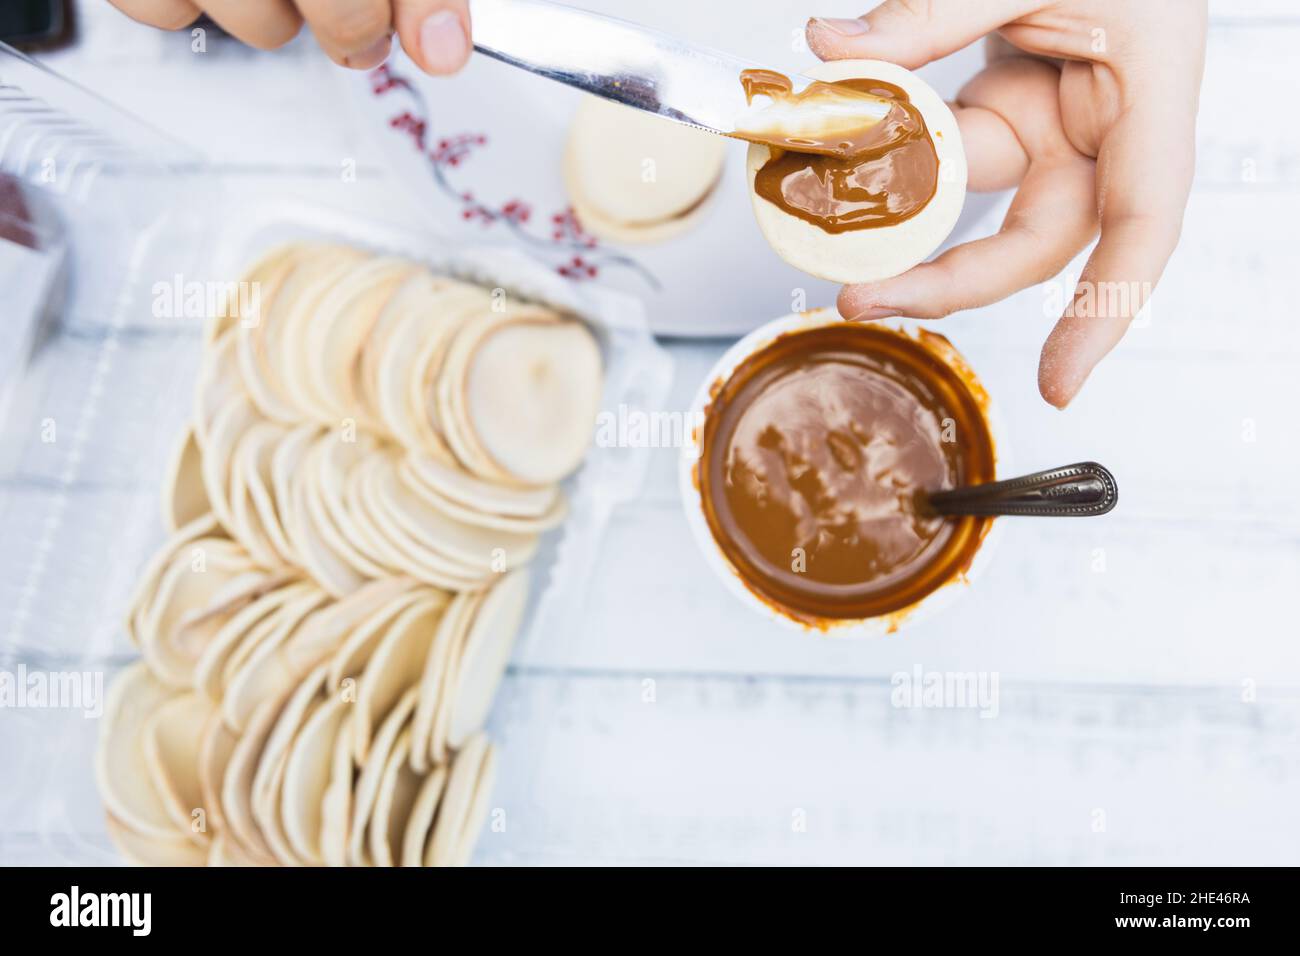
(912, 34)
(434, 33)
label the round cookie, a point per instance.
(634, 177)
(535, 429)
(866, 255)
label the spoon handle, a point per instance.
(1082, 490)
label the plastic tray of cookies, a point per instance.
(101, 391)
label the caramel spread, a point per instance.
(813, 455)
(861, 175)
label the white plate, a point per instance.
(479, 149)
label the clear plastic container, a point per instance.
(102, 384)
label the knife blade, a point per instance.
(618, 60)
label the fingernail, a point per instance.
(371, 56)
(875, 312)
(443, 42)
(842, 26)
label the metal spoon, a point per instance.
(1080, 490)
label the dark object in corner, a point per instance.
(36, 24)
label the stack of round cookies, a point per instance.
(633, 177)
(373, 456)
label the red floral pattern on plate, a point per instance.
(573, 252)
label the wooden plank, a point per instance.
(1168, 603)
(658, 768)
(1222, 295)
(780, 771)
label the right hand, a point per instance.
(355, 33)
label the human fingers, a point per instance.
(265, 25)
(1143, 180)
(353, 33)
(909, 33)
(167, 14)
(434, 33)
(1049, 222)
(1020, 139)
(1146, 145)
(995, 158)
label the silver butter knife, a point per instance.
(618, 60)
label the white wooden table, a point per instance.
(1148, 662)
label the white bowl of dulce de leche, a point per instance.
(816, 442)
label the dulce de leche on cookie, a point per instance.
(846, 155)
